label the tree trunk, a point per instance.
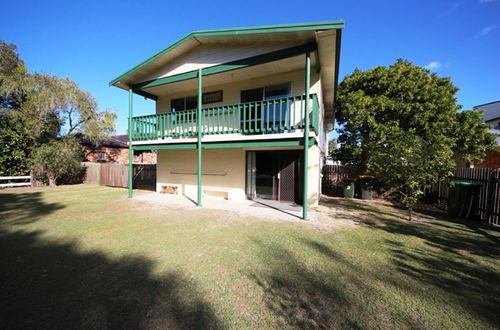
(52, 182)
(410, 212)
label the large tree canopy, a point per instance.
(402, 124)
(40, 108)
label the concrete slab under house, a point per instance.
(241, 113)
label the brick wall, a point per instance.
(117, 155)
(492, 160)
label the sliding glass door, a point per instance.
(267, 113)
(274, 175)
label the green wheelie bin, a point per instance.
(463, 199)
(348, 186)
(366, 186)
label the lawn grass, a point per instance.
(87, 257)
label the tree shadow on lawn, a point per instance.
(24, 208)
(343, 294)
(47, 284)
(339, 295)
(300, 297)
(453, 257)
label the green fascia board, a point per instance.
(229, 66)
(257, 144)
(146, 95)
(325, 25)
(226, 145)
(177, 146)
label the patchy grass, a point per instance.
(87, 257)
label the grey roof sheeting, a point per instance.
(491, 111)
(114, 141)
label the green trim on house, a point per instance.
(146, 95)
(256, 144)
(199, 136)
(326, 25)
(130, 146)
(229, 66)
(226, 145)
(172, 146)
(307, 83)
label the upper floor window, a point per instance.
(191, 102)
(266, 93)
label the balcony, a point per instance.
(276, 116)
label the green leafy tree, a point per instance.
(57, 158)
(15, 146)
(39, 110)
(473, 139)
(332, 146)
(14, 152)
(400, 123)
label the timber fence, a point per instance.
(488, 178)
(116, 175)
(489, 193)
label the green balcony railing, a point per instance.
(261, 117)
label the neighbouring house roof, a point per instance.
(491, 110)
(114, 141)
(491, 113)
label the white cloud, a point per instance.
(434, 65)
(487, 30)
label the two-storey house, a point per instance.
(241, 113)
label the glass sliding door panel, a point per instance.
(276, 115)
(265, 176)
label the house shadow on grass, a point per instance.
(48, 284)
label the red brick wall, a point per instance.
(144, 157)
(492, 160)
(117, 155)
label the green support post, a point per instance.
(305, 201)
(130, 147)
(198, 129)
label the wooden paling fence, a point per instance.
(333, 176)
(116, 175)
(489, 193)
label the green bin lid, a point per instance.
(464, 183)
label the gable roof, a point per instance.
(197, 37)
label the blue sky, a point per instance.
(92, 42)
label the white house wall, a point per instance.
(206, 56)
(224, 172)
(231, 92)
